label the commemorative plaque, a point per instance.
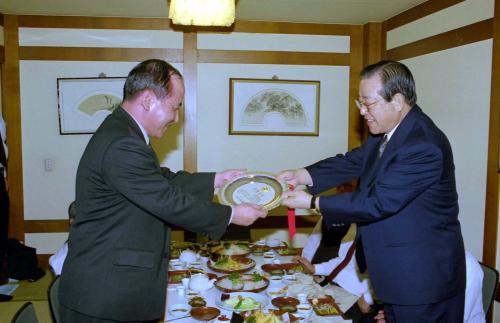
(258, 188)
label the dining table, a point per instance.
(296, 283)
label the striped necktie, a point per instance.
(383, 144)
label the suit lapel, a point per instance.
(373, 163)
(402, 132)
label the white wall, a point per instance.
(460, 106)
(459, 15)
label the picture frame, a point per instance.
(83, 103)
(273, 107)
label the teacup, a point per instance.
(302, 297)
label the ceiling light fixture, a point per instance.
(202, 12)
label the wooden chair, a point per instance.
(54, 299)
(490, 282)
(26, 314)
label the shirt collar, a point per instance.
(390, 133)
(143, 130)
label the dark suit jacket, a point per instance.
(126, 203)
(407, 210)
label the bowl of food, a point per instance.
(230, 264)
(237, 282)
(197, 301)
(179, 310)
(243, 301)
(205, 313)
(282, 269)
(280, 302)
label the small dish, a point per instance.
(197, 301)
(305, 309)
(176, 264)
(275, 279)
(205, 313)
(280, 302)
(179, 310)
(269, 255)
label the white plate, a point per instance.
(257, 297)
(259, 188)
(179, 310)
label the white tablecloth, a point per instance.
(304, 284)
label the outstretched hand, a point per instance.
(223, 177)
(246, 213)
(296, 199)
(295, 177)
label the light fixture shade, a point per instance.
(202, 12)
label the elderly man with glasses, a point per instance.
(406, 204)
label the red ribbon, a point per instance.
(291, 221)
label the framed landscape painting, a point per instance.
(273, 107)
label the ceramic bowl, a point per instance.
(179, 310)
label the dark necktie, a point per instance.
(383, 144)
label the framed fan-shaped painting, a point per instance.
(273, 107)
(84, 103)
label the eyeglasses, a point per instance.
(360, 103)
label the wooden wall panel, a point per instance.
(272, 57)
(458, 37)
(46, 226)
(372, 44)
(98, 54)
(355, 137)
(490, 241)
(420, 11)
(12, 115)
(190, 102)
(94, 22)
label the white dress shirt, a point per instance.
(348, 278)
(56, 261)
(473, 311)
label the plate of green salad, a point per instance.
(243, 301)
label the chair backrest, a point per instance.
(54, 299)
(26, 314)
(490, 282)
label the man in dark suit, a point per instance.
(126, 204)
(406, 205)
